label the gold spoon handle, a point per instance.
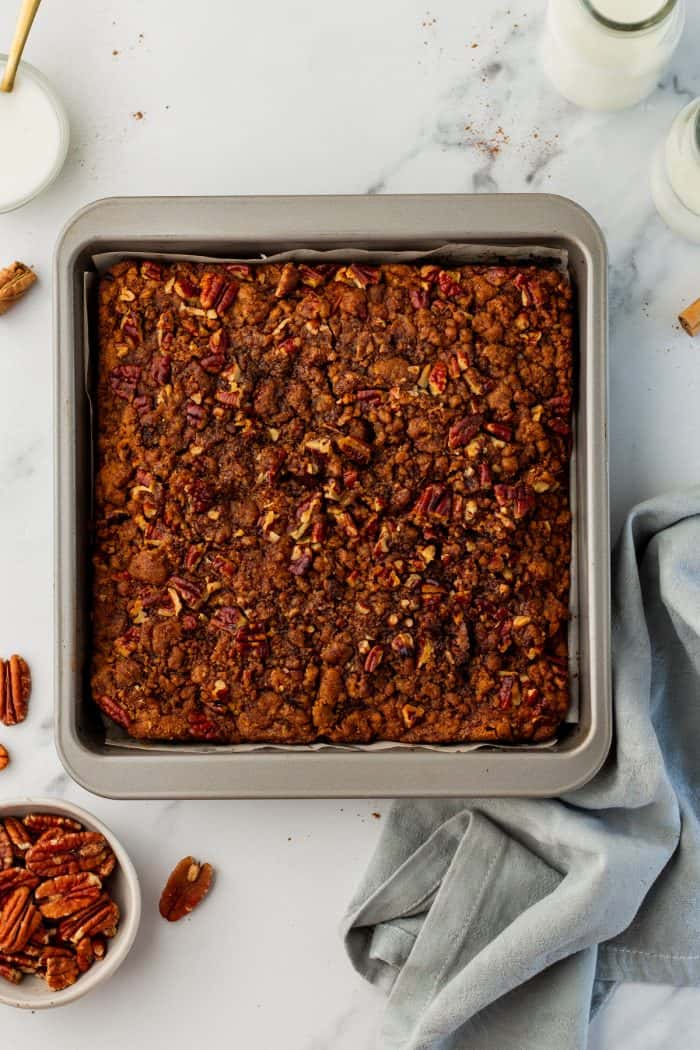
(25, 18)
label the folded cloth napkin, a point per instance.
(504, 924)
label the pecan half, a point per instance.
(41, 938)
(19, 919)
(61, 968)
(211, 288)
(4, 763)
(67, 894)
(12, 878)
(99, 946)
(17, 834)
(71, 852)
(188, 884)
(84, 954)
(10, 973)
(115, 711)
(6, 851)
(15, 689)
(15, 280)
(100, 917)
(26, 961)
(38, 823)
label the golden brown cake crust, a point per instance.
(332, 502)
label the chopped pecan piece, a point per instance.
(448, 283)
(189, 882)
(419, 298)
(289, 278)
(124, 380)
(188, 591)
(185, 288)
(311, 276)
(151, 270)
(228, 618)
(499, 430)
(411, 713)
(437, 379)
(241, 271)
(374, 658)
(363, 276)
(402, 644)
(301, 562)
(462, 432)
(161, 368)
(15, 690)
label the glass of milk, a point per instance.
(34, 136)
(609, 54)
(675, 174)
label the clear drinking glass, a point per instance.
(675, 174)
(603, 62)
(32, 154)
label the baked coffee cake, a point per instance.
(331, 502)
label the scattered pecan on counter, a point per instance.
(188, 884)
(4, 762)
(15, 280)
(54, 910)
(15, 690)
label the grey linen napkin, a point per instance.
(504, 924)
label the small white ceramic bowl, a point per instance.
(33, 993)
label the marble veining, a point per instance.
(298, 97)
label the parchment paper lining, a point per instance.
(452, 254)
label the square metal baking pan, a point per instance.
(248, 226)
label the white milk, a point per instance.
(32, 138)
(599, 67)
(675, 174)
(627, 11)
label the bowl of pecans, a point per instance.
(70, 903)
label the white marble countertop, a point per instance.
(301, 97)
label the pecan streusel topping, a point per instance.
(332, 502)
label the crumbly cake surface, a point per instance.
(331, 502)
